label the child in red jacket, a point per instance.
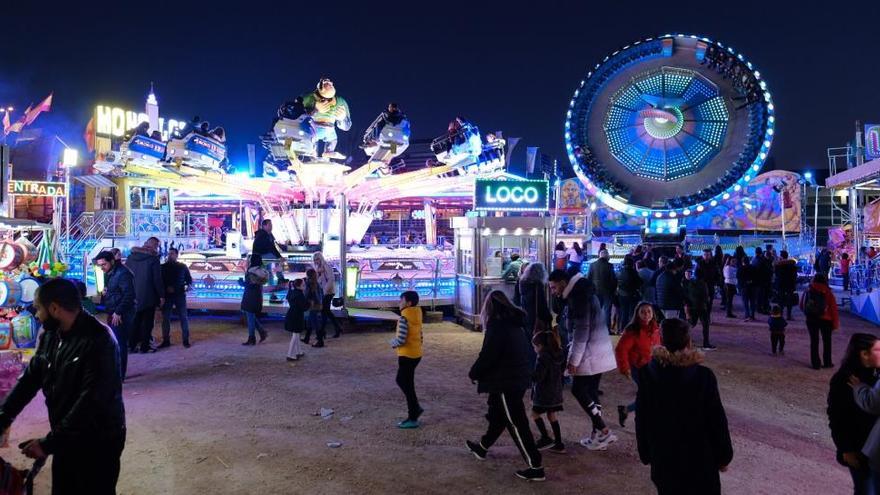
(634, 349)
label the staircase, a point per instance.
(89, 229)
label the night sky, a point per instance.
(505, 65)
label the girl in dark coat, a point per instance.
(295, 320)
(252, 298)
(681, 428)
(850, 425)
(502, 371)
(547, 389)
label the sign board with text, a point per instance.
(34, 188)
(511, 195)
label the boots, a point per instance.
(263, 335)
(250, 341)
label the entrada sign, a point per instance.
(511, 195)
(33, 188)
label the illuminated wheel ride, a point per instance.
(669, 126)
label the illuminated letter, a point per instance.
(104, 120)
(531, 195)
(118, 121)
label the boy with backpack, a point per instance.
(408, 343)
(820, 308)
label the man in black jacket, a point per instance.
(681, 428)
(118, 302)
(264, 241)
(786, 271)
(177, 281)
(601, 276)
(707, 271)
(76, 365)
(149, 292)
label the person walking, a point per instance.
(118, 303)
(76, 366)
(148, 290)
(647, 276)
(730, 282)
(820, 308)
(575, 258)
(560, 256)
(314, 296)
(327, 279)
(786, 272)
(294, 320)
(601, 277)
(177, 281)
(590, 353)
(696, 307)
(408, 344)
(629, 292)
(501, 370)
(533, 300)
(707, 271)
(634, 348)
(777, 325)
(681, 427)
(745, 280)
(852, 427)
(547, 389)
(252, 298)
(762, 273)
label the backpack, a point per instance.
(814, 303)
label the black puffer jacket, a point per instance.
(503, 363)
(850, 426)
(264, 244)
(148, 289)
(669, 293)
(79, 376)
(120, 297)
(175, 277)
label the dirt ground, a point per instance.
(222, 418)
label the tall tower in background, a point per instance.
(152, 109)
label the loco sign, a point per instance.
(511, 195)
(31, 188)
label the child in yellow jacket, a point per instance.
(408, 343)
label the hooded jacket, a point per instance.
(681, 427)
(503, 363)
(78, 373)
(590, 351)
(148, 287)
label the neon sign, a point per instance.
(872, 141)
(511, 195)
(112, 121)
(32, 188)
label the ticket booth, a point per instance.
(483, 246)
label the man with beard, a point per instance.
(328, 111)
(118, 302)
(76, 366)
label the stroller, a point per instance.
(14, 481)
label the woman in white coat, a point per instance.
(590, 353)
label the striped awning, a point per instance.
(95, 180)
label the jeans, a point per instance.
(317, 325)
(625, 311)
(175, 301)
(406, 380)
(327, 313)
(122, 332)
(506, 410)
(816, 327)
(253, 324)
(865, 481)
(585, 389)
(143, 324)
(729, 292)
(634, 373)
(749, 301)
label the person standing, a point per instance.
(560, 256)
(730, 282)
(575, 258)
(264, 242)
(762, 274)
(590, 353)
(328, 286)
(647, 276)
(252, 298)
(696, 307)
(786, 272)
(408, 344)
(634, 349)
(820, 308)
(76, 366)
(629, 292)
(777, 325)
(148, 290)
(511, 271)
(294, 320)
(681, 427)
(708, 272)
(118, 303)
(547, 389)
(177, 281)
(851, 426)
(745, 279)
(670, 296)
(502, 371)
(533, 300)
(601, 277)
(844, 270)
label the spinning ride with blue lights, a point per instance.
(669, 126)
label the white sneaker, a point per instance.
(598, 441)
